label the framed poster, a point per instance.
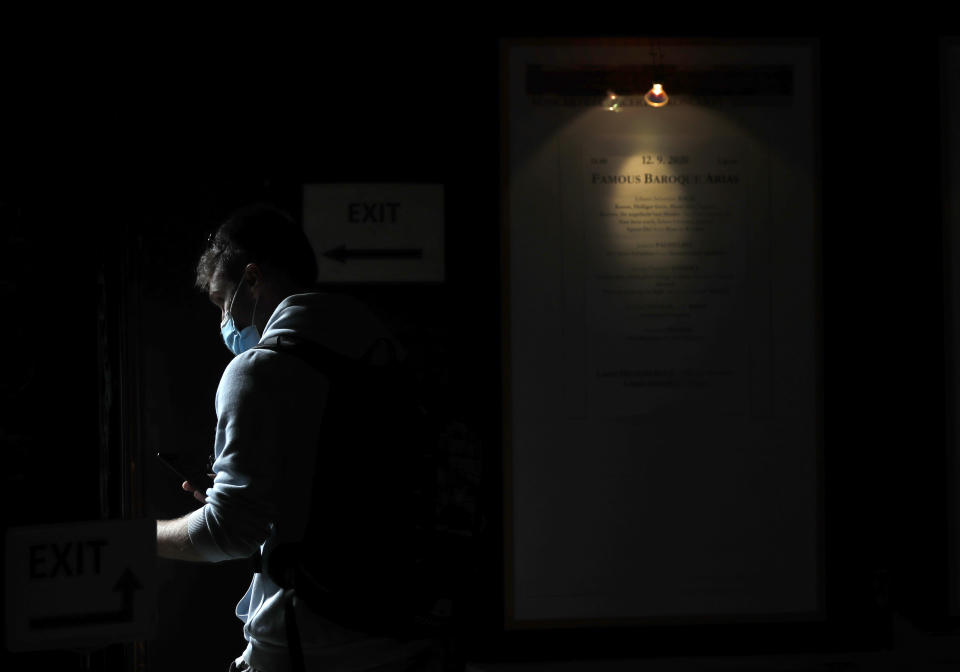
(661, 293)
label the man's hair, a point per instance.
(260, 234)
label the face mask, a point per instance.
(244, 339)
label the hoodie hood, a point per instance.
(340, 323)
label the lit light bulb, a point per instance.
(656, 97)
(612, 102)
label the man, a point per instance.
(258, 269)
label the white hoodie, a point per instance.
(269, 409)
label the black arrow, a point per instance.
(341, 254)
(126, 584)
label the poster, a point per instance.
(662, 414)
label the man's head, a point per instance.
(257, 258)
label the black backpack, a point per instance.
(389, 544)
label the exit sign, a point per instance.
(376, 232)
(81, 584)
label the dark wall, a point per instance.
(884, 360)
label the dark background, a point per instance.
(120, 151)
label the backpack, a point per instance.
(389, 542)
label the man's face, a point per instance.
(224, 294)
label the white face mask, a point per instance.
(244, 339)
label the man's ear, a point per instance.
(253, 275)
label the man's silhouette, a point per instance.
(259, 269)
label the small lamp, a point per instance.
(656, 96)
(612, 102)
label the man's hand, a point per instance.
(199, 495)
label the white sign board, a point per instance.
(81, 584)
(376, 232)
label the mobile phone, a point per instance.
(193, 472)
